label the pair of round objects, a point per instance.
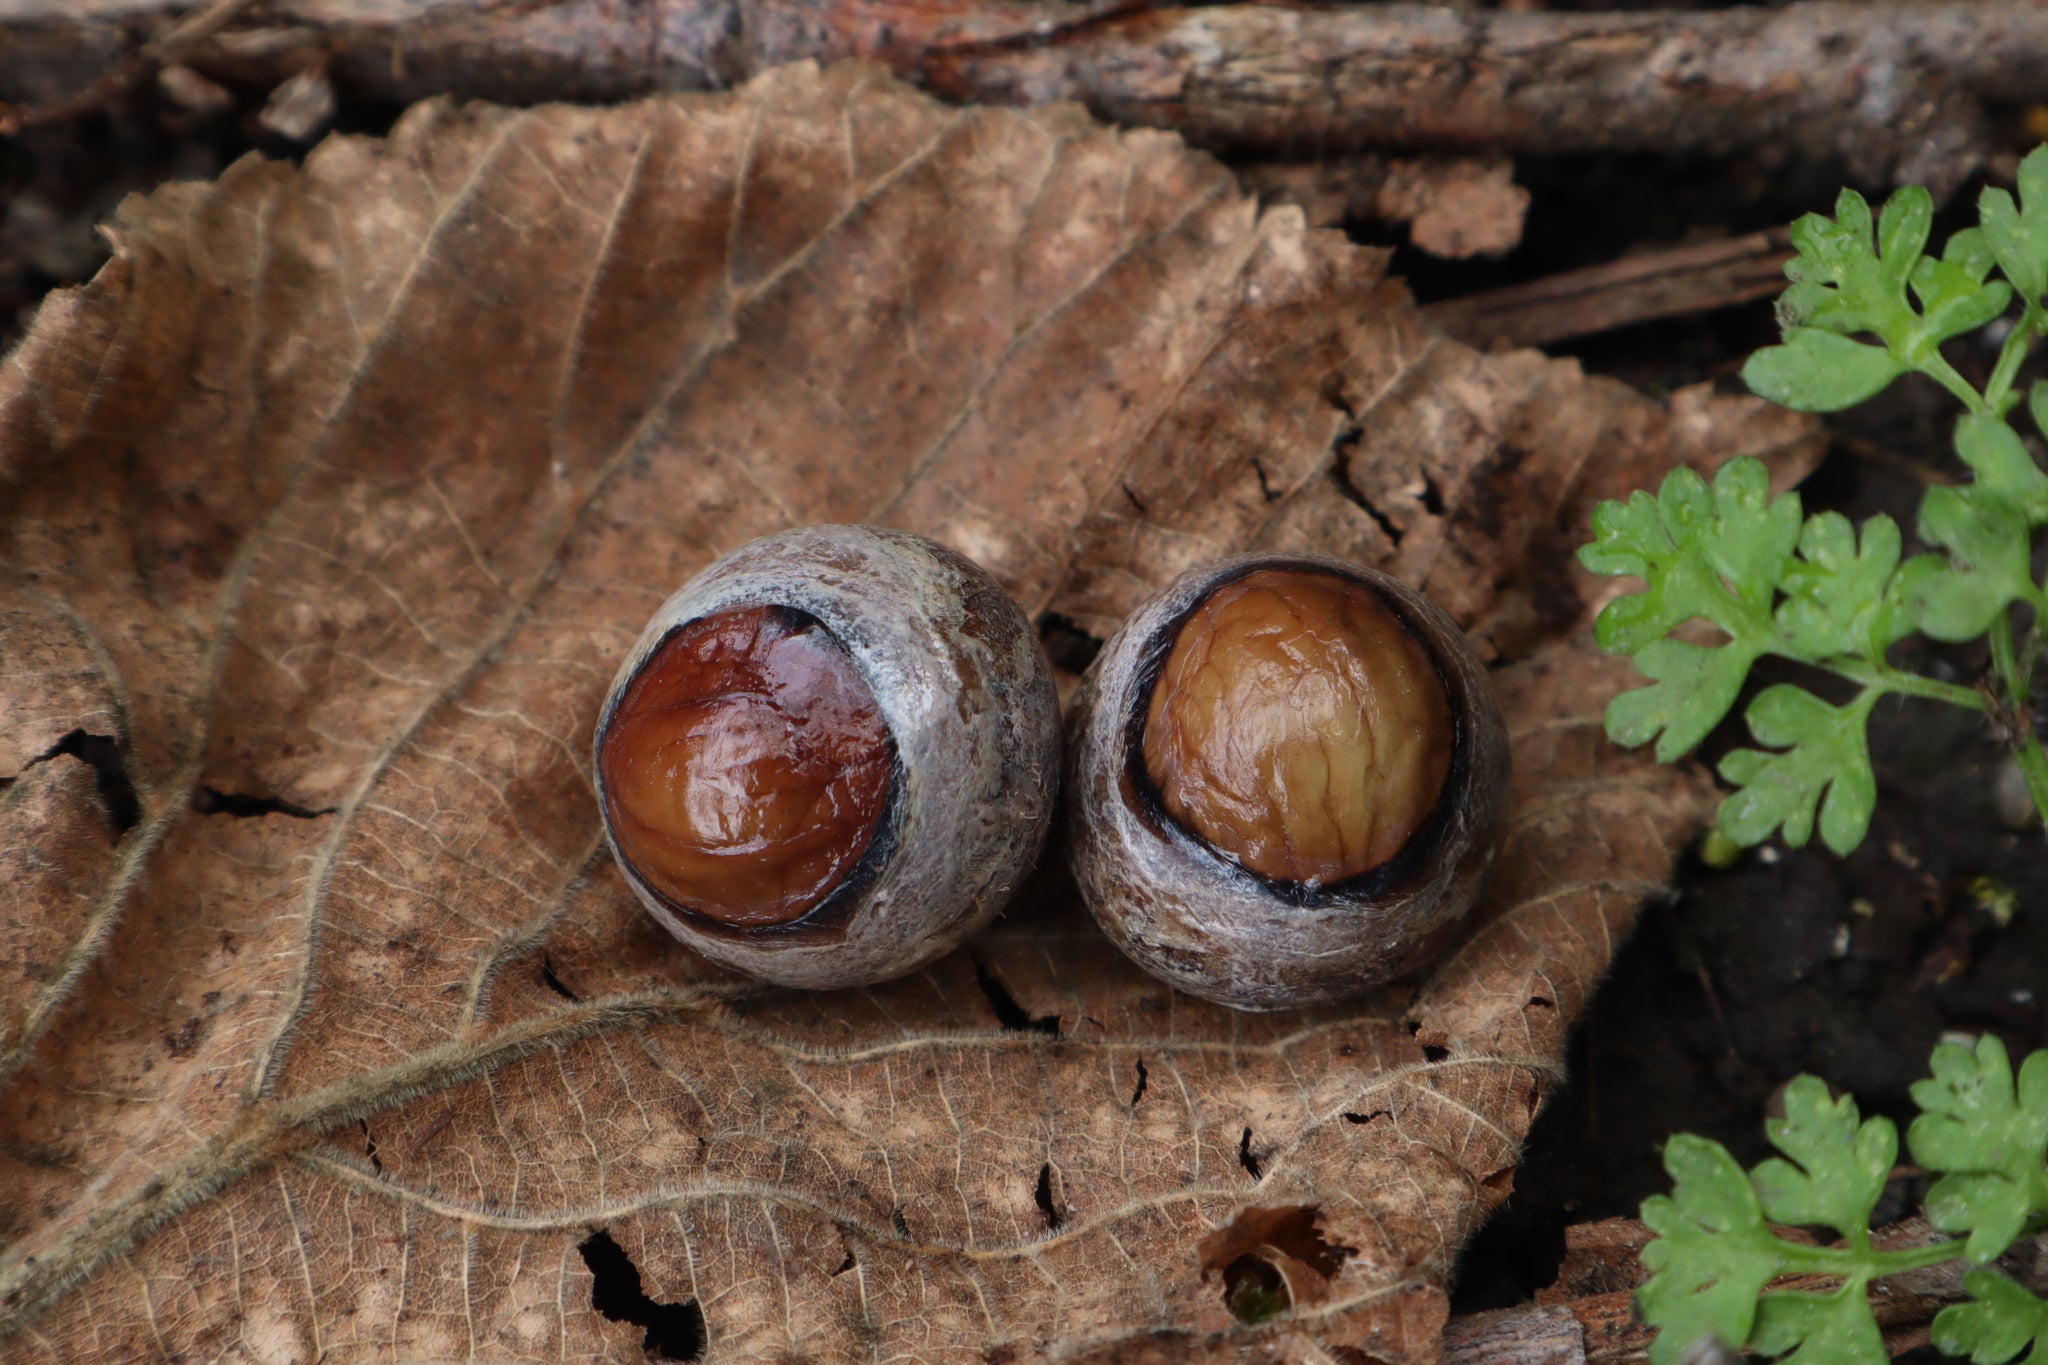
(834, 755)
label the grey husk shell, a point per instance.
(1195, 919)
(966, 692)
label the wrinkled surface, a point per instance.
(745, 767)
(338, 495)
(1298, 727)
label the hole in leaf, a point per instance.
(370, 1147)
(1368, 1118)
(675, 1331)
(1253, 1290)
(1009, 1013)
(1434, 1054)
(902, 1224)
(213, 801)
(845, 1265)
(1542, 1002)
(1266, 489)
(1144, 1077)
(1245, 1157)
(1272, 1260)
(1353, 494)
(102, 753)
(1053, 1216)
(553, 982)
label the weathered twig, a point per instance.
(179, 37)
(1898, 89)
(1534, 1334)
(1653, 284)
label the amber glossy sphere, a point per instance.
(1299, 727)
(747, 766)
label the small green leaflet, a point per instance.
(1955, 597)
(1714, 553)
(1985, 528)
(2002, 466)
(1713, 1255)
(2001, 1320)
(1692, 688)
(1989, 1136)
(1817, 371)
(1837, 1166)
(1846, 278)
(1827, 749)
(1835, 591)
(1954, 297)
(2018, 233)
(1820, 1329)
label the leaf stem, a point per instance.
(2014, 678)
(1998, 394)
(2034, 767)
(2005, 659)
(1852, 1261)
(1909, 684)
(1936, 367)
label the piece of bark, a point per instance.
(1600, 1258)
(1671, 282)
(300, 108)
(1898, 90)
(1528, 1335)
(192, 92)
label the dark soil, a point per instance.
(1788, 961)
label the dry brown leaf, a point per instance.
(1455, 207)
(336, 497)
